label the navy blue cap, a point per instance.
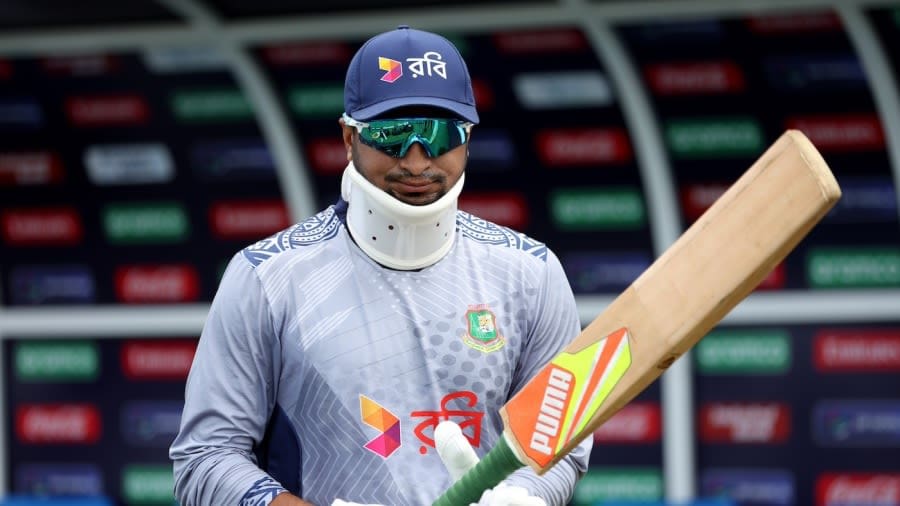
(407, 67)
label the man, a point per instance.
(333, 348)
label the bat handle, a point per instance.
(499, 463)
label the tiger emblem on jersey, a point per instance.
(482, 333)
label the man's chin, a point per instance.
(417, 199)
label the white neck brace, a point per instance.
(393, 233)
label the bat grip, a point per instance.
(499, 463)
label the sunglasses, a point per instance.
(394, 137)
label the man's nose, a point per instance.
(416, 159)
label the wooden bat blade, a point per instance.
(714, 265)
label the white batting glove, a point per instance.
(341, 502)
(509, 495)
(458, 457)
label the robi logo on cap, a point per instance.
(392, 68)
(430, 63)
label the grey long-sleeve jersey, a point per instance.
(323, 373)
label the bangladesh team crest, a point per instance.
(481, 329)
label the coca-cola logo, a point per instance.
(157, 284)
(158, 359)
(856, 489)
(58, 424)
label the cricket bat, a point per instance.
(687, 291)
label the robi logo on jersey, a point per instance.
(386, 423)
(458, 406)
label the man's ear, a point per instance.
(347, 136)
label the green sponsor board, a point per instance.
(211, 105)
(148, 484)
(853, 268)
(317, 101)
(597, 209)
(618, 484)
(897, 16)
(70, 361)
(744, 352)
(145, 223)
(710, 138)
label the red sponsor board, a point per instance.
(6, 70)
(775, 280)
(157, 283)
(107, 110)
(30, 168)
(741, 422)
(588, 146)
(307, 53)
(638, 422)
(695, 78)
(250, 219)
(509, 209)
(156, 360)
(774, 24)
(80, 65)
(540, 41)
(857, 350)
(858, 489)
(58, 424)
(328, 155)
(48, 226)
(855, 132)
(697, 198)
(484, 94)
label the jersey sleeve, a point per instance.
(556, 323)
(229, 395)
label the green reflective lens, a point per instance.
(394, 137)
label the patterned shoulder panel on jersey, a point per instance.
(262, 492)
(315, 229)
(484, 231)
